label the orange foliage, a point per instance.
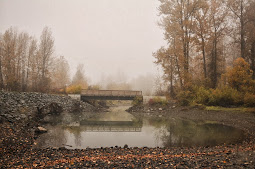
(240, 76)
(74, 89)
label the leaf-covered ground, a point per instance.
(16, 151)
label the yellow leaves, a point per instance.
(240, 76)
(249, 100)
(74, 89)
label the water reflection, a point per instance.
(110, 126)
(188, 133)
(118, 127)
(55, 137)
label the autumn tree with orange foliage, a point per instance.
(203, 38)
(239, 76)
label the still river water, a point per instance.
(117, 128)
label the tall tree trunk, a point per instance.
(1, 75)
(27, 74)
(242, 32)
(171, 77)
(177, 65)
(214, 77)
(214, 60)
(204, 60)
(215, 63)
(186, 53)
(253, 59)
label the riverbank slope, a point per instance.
(17, 139)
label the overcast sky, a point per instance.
(107, 36)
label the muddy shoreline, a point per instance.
(17, 139)
(241, 120)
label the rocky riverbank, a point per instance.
(21, 112)
(17, 152)
(15, 106)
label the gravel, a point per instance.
(20, 105)
(17, 139)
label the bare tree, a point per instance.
(61, 75)
(21, 59)
(9, 46)
(46, 49)
(202, 28)
(33, 65)
(250, 31)
(79, 77)
(1, 55)
(25, 66)
(239, 10)
(218, 15)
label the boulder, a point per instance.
(52, 108)
(41, 130)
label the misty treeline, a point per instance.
(204, 40)
(29, 64)
(149, 84)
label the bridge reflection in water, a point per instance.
(111, 126)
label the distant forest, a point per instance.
(29, 64)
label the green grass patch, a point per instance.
(236, 109)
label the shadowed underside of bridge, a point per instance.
(110, 95)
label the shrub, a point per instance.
(137, 101)
(151, 102)
(74, 89)
(202, 96)
(225, 96)
(249, 100)
(157, 101)
(185, 97)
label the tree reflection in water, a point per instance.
(150, 132)
(188, 133)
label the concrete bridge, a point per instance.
(110, 95)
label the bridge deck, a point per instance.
(110, 94)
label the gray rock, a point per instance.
(41, 130)
(23, 116)
(17, 103)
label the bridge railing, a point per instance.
(110, 93)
